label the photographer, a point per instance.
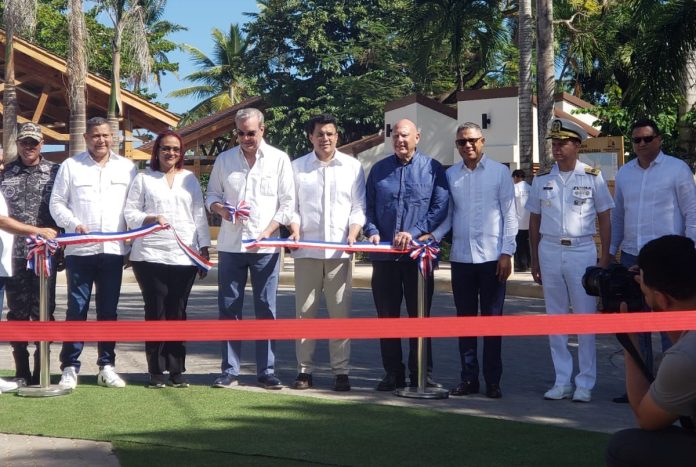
(667, 277)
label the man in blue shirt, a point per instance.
(406, 198)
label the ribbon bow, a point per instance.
(427, 254)
(40, 249)
(241, 211)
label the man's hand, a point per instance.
(374, 239)
(205, 254)
(47, 232)
(81, 229)
(536, 273)
(604, 261)
(294, 233)
(425, 237)
(504, 268)
(219, 209)
(402, 240)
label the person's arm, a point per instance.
(510, 226)
(686, 198)
(370, 229)
(357, 216)
(286, 199)
(13, 226)
(439, 204)
(617, 220)
(215, 193)
(534, 238)
(60, 199)
(604, 220)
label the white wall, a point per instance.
(369, 157)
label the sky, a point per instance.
(200, 17)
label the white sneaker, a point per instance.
(582, 395)
(109, 378)
(68, 379)
(7, 386)
(557, 393)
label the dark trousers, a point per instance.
(392, 281)
(523, 257)
(670, 447)
(22, 290)
(165, 290)
(103, 271)
(472, 283)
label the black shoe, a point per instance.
(270, 382)
(391, 382)
(156, 382)
(177, 380)
(429, 382)
(493, 391)
(465, 388)
(341, 383)
(622, 399)
(303, 381)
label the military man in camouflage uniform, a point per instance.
(26, 185)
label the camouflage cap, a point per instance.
(564, 129)
(30, 130)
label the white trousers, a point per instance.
(562, 268)
(334, 278)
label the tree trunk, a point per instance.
(545, 78)
(525, 113)
(77, 76)
(9, 102)
(113, 112)
(687, 134)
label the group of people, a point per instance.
(323, 196)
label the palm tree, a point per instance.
(20, 18)
(77, 76)
(546, 83)
(526, 115)
(221, 79)
(128, 18)
(470, 31)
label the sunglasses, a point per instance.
(645, 139)
(174, 149)
(241, 133)
(29, 143)
(472, 141)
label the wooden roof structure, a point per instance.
(41, 80)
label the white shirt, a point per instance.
(569, 209)
(521, 196)
(329, 197)
(652, 202)
(6, 240)
(183, 207)
(481, 212)
(268, 187)
(85, 193)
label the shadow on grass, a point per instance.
(199, 426)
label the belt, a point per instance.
(569, 241)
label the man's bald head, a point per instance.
(405, 137)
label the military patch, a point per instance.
(591, 171)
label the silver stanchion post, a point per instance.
(44, 389)
(422, 391)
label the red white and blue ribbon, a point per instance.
(427, 254)
(40, 251)
(239, 212)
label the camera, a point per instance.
(613, 285)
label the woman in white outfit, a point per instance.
(167, 194)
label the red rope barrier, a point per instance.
(354, 328)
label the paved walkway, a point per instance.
(528, 371)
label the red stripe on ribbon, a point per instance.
(354, 328)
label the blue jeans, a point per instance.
(645, 338)
(104, 271)
(232, 277)
(474, 285)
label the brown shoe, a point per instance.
(341, 383)
(303, 381)
(465, 388)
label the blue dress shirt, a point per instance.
(410, 197)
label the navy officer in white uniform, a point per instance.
(563, 204)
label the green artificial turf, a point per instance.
(204, 426)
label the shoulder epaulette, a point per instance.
(591, 171)
(543, 172)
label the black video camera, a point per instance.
(613, 285)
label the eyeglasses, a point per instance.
(645, 139)
(242, 134)
(174, 149)
(472, 141)
(29, 143)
